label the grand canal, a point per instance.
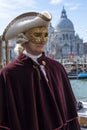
(79, 87)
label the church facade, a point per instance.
(63, 42)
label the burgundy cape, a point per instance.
(29, 102)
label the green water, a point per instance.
(79, 88)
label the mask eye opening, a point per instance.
(37, 34)
(46, 34)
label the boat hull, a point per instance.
(82, 75)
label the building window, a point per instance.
(63, 36)
(67, 36)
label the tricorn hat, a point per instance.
(24, 22)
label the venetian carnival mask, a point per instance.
(37, 35)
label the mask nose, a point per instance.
(44, 37)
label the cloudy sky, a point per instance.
(76, 11)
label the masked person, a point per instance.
(35, 92)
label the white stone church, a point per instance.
(63, 41)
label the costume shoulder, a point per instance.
(15, 65)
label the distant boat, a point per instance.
(72, 75)
(71, 69)
(82, 75)
(76, 70)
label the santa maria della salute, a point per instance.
(62, 39)
(63, 42)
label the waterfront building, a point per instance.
(7, 53)
(63, 42)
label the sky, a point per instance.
(76, 11)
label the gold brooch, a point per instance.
(43, 62)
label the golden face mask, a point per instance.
(37, 35)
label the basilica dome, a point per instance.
(64, 23)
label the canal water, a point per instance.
(79, 87)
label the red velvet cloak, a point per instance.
(29, 102)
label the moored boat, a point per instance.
(72, 75)
(76, 70)
(82, 75)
